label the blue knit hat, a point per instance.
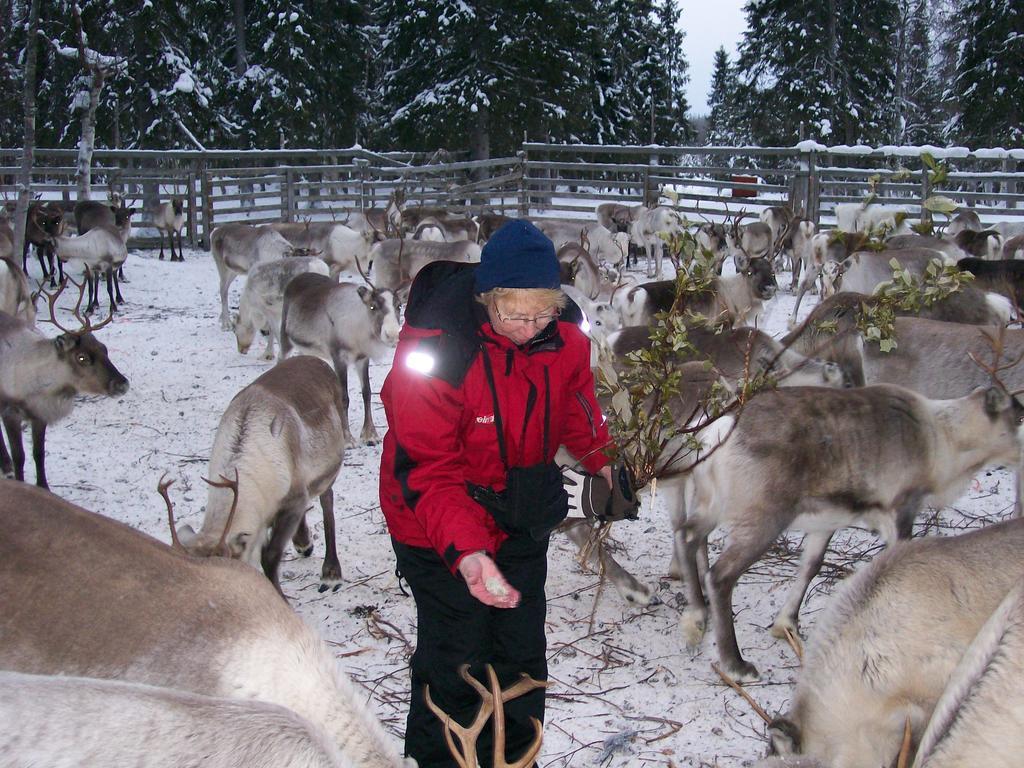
(517, 256)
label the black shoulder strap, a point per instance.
(498, 426)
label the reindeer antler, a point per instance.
(222, 546)
(492, 702)
(997, 343)
(51, 300)
(162, 487)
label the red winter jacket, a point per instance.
(441, 425)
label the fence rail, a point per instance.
(221, 186)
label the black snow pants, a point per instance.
(454, 628)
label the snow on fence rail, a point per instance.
(219, 186)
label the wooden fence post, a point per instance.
(926, 192)
(207, 196)
(813, 188)
(361, 164)
(524, 205)
(1010, 186)
(193, 223)
(288, 198)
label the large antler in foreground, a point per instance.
(492, 703)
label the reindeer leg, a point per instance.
(302, 541)
(330, 575)
(117, 286)
(39, 451)
(227, 276)
(161, 256)
(369, 432)
(282, 531)
(6, 466)
(341, 368)
(110, 290)
(813, 555)
(695, 616)
(13, 426)
(745, 547)
(181, 252)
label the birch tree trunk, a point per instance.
(88, 141)
(25, 175)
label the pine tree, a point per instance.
(670, 106)
(481, 74)
(305, 80)
(917, 111)
(818, 69)
(989, 84)
(725, 118)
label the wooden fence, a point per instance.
(542, 180)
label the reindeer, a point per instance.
(41, 228)
(864, 271)
(62, 721)
(235, 249)
(711, 238)
(820, 458)
(397, 262)
(6, 236)
(616, 217)
(449, 229)
(487, 224)
(964, 219)
(986, 244)
(977, 719)
(101, 250)
(385, 223)
(283, 436)
(125, 607)
(650, 231)
(750, 241)
(603, 246)
(260, 305)
(90, 214)
(344, 323)
(341, 246)
(169, 217)
(39, 378)
(824, 248)
(16, 298)
(887, 646)
(733, 300)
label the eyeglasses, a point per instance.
(542, 320)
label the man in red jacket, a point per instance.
(488, 380)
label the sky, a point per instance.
(708, 24)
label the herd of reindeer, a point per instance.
(133, 650)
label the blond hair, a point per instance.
(541, 297)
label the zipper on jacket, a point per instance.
(588, 412)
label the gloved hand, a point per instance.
(592, 496)
(486, 583)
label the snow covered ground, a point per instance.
(626, 691)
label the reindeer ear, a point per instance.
(783, 737)
(742, 262)
(236, 544)
(996, 401)
(187, 535)
(364, 293)
(65, 343)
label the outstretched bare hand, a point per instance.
(486, 583)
